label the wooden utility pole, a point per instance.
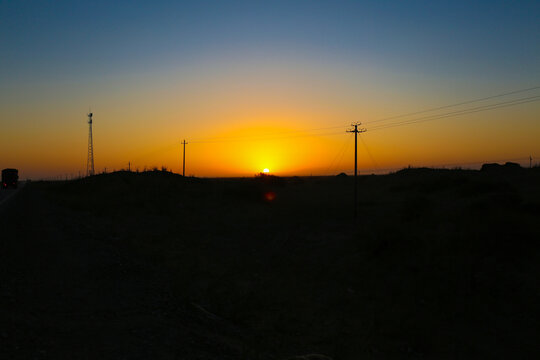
(356, 131)
(184, 159)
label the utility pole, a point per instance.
(184, 159)
(129, 166)
(356, 131)
(530, 161)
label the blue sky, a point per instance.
(42, 39)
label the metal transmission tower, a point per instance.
(356, 131)
(90, 160)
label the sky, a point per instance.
(266, 84)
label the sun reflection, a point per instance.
(270, 196)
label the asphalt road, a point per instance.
(6, 194)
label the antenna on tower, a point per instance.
(90, 160)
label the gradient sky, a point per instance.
(245, 83)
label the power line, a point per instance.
(339, 155)
(155, 151)
(224, 140)
(377, 127)
(458, 113)
(392, 124)
(368, 152)
(456, 104)
(220, 138)
(305, 132)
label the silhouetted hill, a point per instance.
(508, 167)
(440, 264)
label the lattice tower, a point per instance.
(90, 161)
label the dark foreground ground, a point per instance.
(441, 265)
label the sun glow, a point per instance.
(266, 171)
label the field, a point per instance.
(440, 264)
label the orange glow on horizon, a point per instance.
(238, 122)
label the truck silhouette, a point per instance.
(10, 178)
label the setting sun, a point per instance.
(266, 171)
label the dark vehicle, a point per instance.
(10, 178)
